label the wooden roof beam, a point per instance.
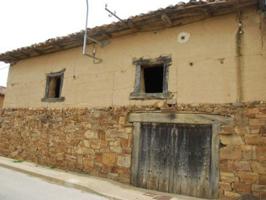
(166, 19)
(37, 51)
(25, 54)
(106, 34)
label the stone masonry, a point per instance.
(99, 142)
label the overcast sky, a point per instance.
(24, 22)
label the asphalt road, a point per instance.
(19, 186)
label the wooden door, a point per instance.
(176, 158)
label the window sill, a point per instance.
(52, 100)
(147, 96)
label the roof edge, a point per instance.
(172, 16)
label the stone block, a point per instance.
(259, 188)
(89, 134)
(248, 152)
(232, 195)
(124, 179)
(80, 161)
(112, 176)
(79, 150)
(122, 120)
(87, 143)
(128, 130)
(225, 166)
(262, 180)
(88, 163)
(95, 144)
(254, 130)
(241, 130)
(258, 167)
(242, 188)
(115, 143)
(230, 153)
(124, 143)
(241, 166)
(227, 130)
(116, 149)
(225, 186)
(250, 197)
(98, 157)
(256, 122)
(231, 140)
(248, 177)
(101, 134)
(261, 153)
(60, 156)
(104, 145)
(255, 140)
(124, 161)
(109, 159)
(228, 177)
(262, 195)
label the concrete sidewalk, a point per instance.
(100, 186)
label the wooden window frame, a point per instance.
(52, 75)
(138, 92)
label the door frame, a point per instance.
(179, 118)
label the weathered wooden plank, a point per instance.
(178, 118)
(177, 158)
(135, 153)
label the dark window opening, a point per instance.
(153, 78)
(54, 86)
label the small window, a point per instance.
(54, 84)
(151, 79)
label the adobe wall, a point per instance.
(99, 141)
(203, 70)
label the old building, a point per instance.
(172, 100)
(2, 96)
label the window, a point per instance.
(151, 79)
(54, 84)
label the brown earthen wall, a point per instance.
(99, 142)
(213, 66)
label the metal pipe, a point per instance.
(113, 13)
(85, 31)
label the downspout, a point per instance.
(86, 37)
(85, 30)
(239, 58)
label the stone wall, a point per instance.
(99, 142)
(2, 97)
(95, 142)
(243, 155)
